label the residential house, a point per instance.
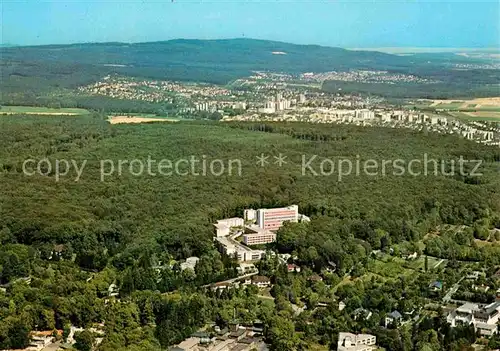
(484, 319)
(436, 285)
(113, 290)
(361, 314)
(315, 278)
(261, 281)
(293, 268)
(189, 263)
(245, 268)
(56, 252)
(411, 256)
(473, 275)
(481, 288)
(331, 267)
(393, 319)
(356, 342)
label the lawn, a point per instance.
(419, 263)
(266, 301)
(392, 267)
(389, 267)
(30, 110)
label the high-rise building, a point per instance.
(280, 105)
(364, 114)
(263, 237)
(273, 218)
(240, 105)
(249, 215)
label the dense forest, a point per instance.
(73, 239)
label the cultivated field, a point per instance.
(29, 110)
(486, 109)
(138, 119)
(484, 114)
(491, 104)
(490, 116)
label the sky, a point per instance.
(342, 23)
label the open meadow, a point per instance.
(130, 119)
(30, 110)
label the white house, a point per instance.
(261, 281)
(393, 318)
(356, 342)
(484, 319)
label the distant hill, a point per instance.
(208, 60)
(244, 54)
(216, 61)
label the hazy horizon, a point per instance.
(388, 49)
(360, 24)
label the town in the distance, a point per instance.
(267, 96)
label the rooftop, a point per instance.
(468, 307)
(260, 279)
(189, 343)
(395, 314)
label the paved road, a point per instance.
(439, 263)
(454, 288)
(52, 347)
(266, 297)
(232, 280)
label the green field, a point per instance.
(459, 109)
(30, 110)
(151, 115)
(393, 267)
(389, 267)
(455, 105)
(478, 116)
